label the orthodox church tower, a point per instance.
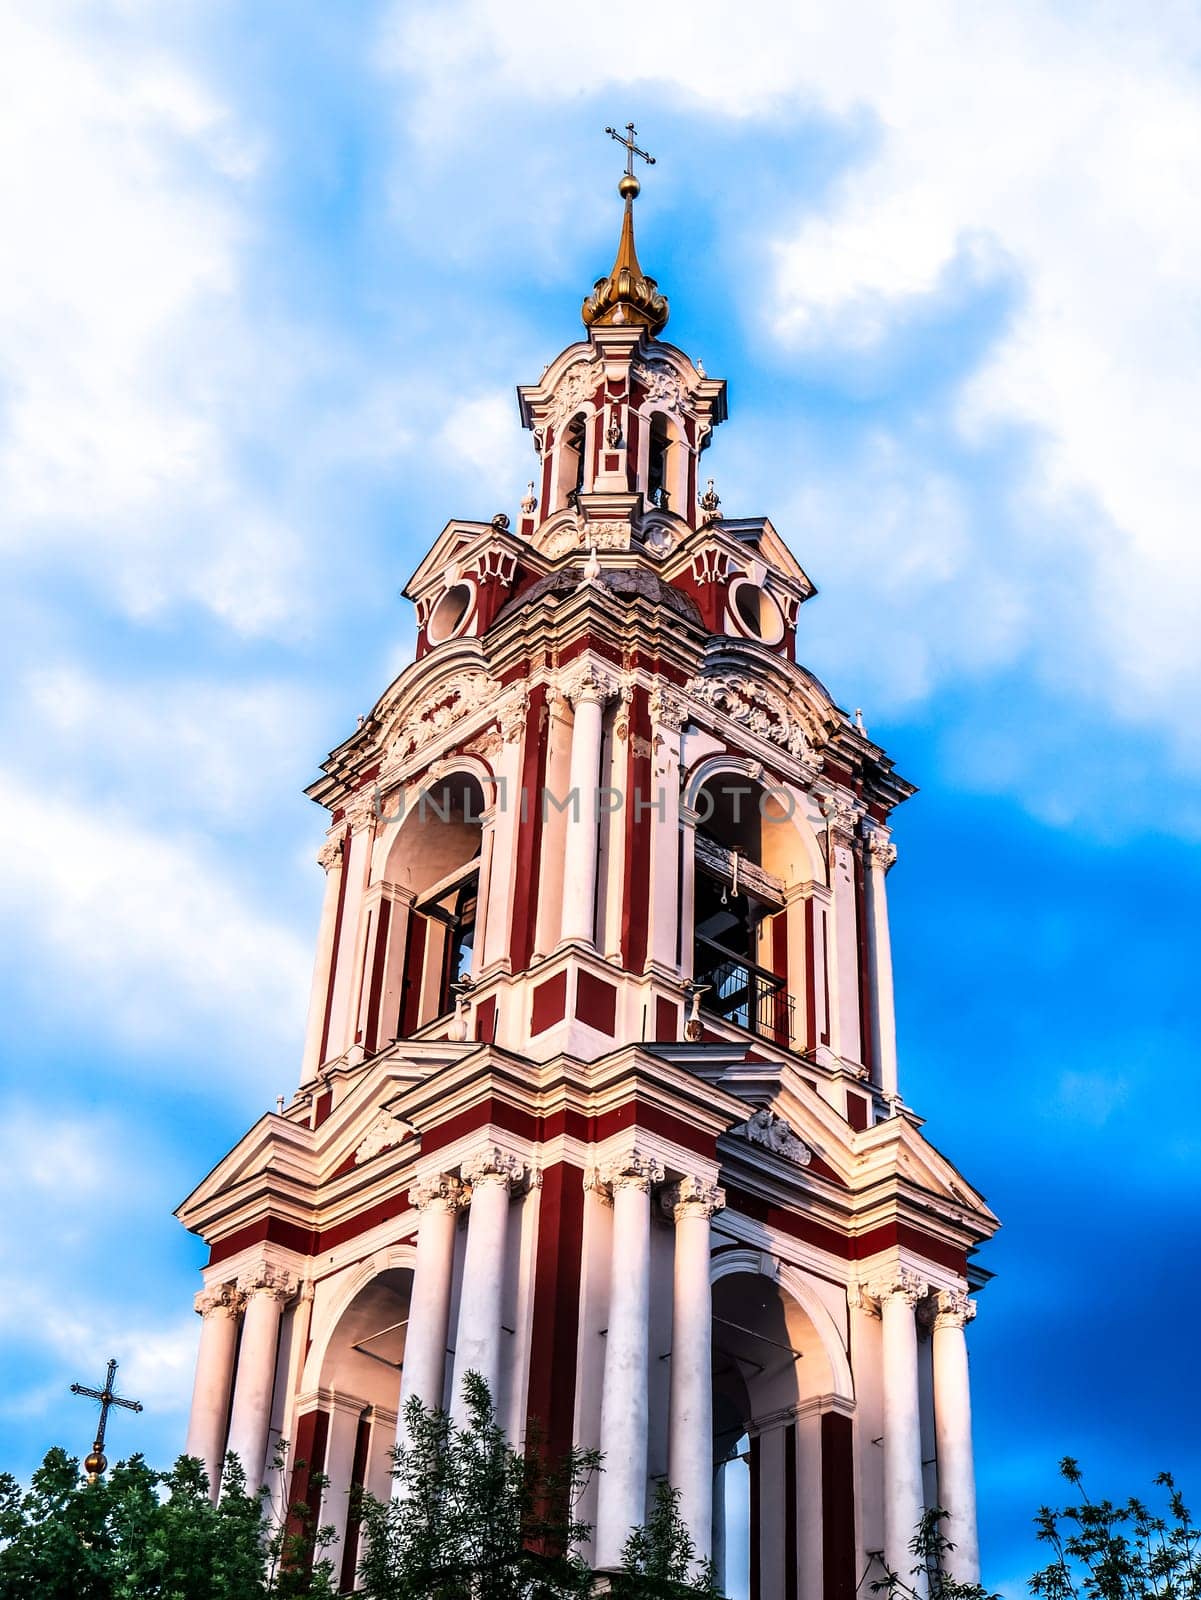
(599, 1094)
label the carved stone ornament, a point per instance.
(903, 1284)
(443, 1191)
(947, 1308)
(224, 1297)
(841, 822)
(387, 1131)
(663, 385)
(363, 810)
(577, 385)
(265, 1277)
(443, 710)
(667, 709)
(755, 706)
(491, 1164)
(773, 1133)
(330, 853)
(513, 714)
(589, 682)
(635, 1168)
(881, 851)
(692, 1197)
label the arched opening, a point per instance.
(755, 612)
(451, 612)
(573, 455)
(658, 485)
(436, 857)
(740, 931)
(359, 1387)
(771, 1376)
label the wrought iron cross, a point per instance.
(631, 148)
(97, 1461)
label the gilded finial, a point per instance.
(627, 295)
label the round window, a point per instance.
(451, 613)
(755, 613)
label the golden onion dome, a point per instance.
(627, 296)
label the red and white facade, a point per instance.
(599, 1094)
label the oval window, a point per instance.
(451, 613)
(755, 613)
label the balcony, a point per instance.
(739, 992)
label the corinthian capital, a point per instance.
(224, 1297)
(265, 1277)
(947, 1308)
(330, 853)
(667, 710)
(881, 852)
(442, 1192)
(589, 682)
(491, 1164)
(901, 1284)
(692, 1197)
(636, 1169)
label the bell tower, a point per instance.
(599, 1095)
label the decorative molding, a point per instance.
(512, 715)
(947, 1308)
(443, 1191)
(225, 1297)
(576, 387)
(491, 1164)
(754, 705)
(692, 1197)
(265, 1277)
(765, 1127)
(441, 710)
(387, 1131)
(881, 851)
(667, 709)
(663, 386)
(330, 853)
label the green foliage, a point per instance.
(659, 1558)
(929, 1547)
(1105, 1551)
(474, 1519)
(139, 1534)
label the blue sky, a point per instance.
(270, 274)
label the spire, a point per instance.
(627, 295)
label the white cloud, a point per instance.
(1054, 148)
(146, 935)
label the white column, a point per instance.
(904, 1501)
(842, 955)
(330, 857)
(491, 1172)
(878, 856)
(345, 1413)
(220, 1309)
(423, 1373)
(588, 694)
(668, 715)
(506, 816)
(266, 1287)
(691, 1203)
(621, 1499)
(947, 1311)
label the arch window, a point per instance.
(572, 460)
(658, 488)
(755, 613)
(452, 612)
(739, 937)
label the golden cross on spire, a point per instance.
(631, 148)
(97, 1461)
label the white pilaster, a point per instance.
(423, 1372)
(330, 857)
(491, 1172)
(668, 715)
(588, 693)
(947, 1311)
(220, 1308)
(621, 1501)
(896, 1298)
(266, 1288)
(506, 816)
(345, 1413)
(878, 856)
(691, 1203)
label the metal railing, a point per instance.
(742, 993)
